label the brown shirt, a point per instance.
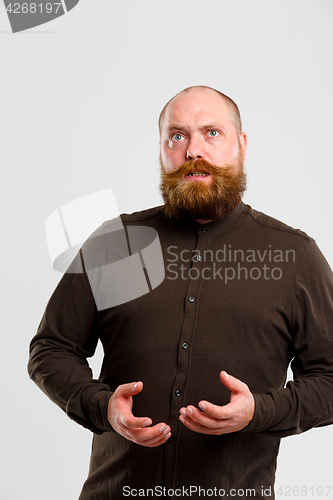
(246, 294)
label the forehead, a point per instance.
(197, 107)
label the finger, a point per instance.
(150, 433)
(195, 416)
(198, 427)
(151, 436)
(219, 412)
(156, 441)
(226, 427)
(128, 420)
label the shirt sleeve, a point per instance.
(66, 337)
(307, 401)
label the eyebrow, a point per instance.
(203, 127)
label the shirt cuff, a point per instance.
(264, 413)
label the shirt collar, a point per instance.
(215, 226)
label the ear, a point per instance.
(243, 143)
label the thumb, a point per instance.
(232, 383)
(127, 390)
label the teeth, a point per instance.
(197, 173)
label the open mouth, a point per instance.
(197, 175)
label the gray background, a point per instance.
(79, 102)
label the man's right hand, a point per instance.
(130, 427)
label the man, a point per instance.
(191, 399)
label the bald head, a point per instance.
(232, 106)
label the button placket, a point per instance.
(197, 263)
(184, 350)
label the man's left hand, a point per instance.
(216, 420)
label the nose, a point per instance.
(193, 156)
(195, 150)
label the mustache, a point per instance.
(192, 165)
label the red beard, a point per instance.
(188, 200)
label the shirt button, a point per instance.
(191, 298)
(171, 439)
(199, 258)
(185, 345)
(177, 392)
(161, 482)
(204, 230)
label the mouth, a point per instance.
(196, 175)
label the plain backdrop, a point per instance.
(79, 102)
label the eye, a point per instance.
(213, 133)
(176, 137)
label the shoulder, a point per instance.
(141, 216)
(274, 225)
